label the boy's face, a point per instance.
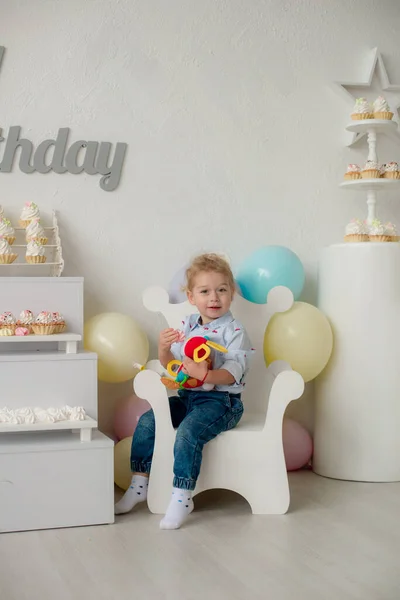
(211, 294)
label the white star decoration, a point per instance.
(389, 90)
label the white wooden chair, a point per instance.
(249, 459)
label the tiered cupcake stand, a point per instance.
(60, 474)
(54, 265)
(357, 419)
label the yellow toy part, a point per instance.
(216, 346)
(205, 349)
(171, 365)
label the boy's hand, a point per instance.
(194, 369)
(167, 338)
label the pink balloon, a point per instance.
(297, 445)
(127, 414)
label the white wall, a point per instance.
(235, 138)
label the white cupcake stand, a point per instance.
(357, 418)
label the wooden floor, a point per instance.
(340, 541)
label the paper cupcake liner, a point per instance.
(380, 238)
(384, 115)
(362, 116)
(370, 174)
(60, 327)
(349, 176)
(10, 239)
(391, 175)
(356, 237)
(7, 259)
(8, 326)
(40, 240)
(40, 329)
(35, 259)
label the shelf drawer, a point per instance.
(52, 482)
(49, 379)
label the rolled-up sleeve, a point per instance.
(237, 359)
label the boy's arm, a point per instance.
(219, 377)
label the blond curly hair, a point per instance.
(209, 263)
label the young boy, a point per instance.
(197, 414)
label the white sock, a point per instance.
(136, 492)
(179, 508)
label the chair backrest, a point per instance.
(255, 319)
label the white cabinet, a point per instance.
(55, 477)
(53, 480)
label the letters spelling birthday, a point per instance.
(94, 158)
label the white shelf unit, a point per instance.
(67, 342)
(68, 465)
(54, 264)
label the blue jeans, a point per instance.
(198, 417)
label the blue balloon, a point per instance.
(268, 267)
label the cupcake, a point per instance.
(43, 324)
(391, 231)
(59, 323)
(381, 109)
(6, 253)
(371, 170)
(378, 232)
(7, 230)
(362, 110)
(8, 321)
(353, 172)
(35, 253)
(356, 231)
(26, 319)
(390, 171)
(35, 231)
(29, 212)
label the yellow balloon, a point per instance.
(122, 463)
(302, 337)
(118, 342)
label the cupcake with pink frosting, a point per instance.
(43, 324)
(8, 321)
(59, 323)
(353, 172)
(26, 318)
(390, 171)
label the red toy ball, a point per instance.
(196, 342)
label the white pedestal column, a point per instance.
(357, 424)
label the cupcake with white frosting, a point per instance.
(26, 318)
(371, 170)
(29, 212)
(378, 232)
(43, 324)
(8, 321)
(7, 231)
(353, 172)
(356, 231)
(6, 254)
(381, 109)
(362, 110)
(35, 231)
(391, 231)
(59, 323)
(390, 171)
(35, 253)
